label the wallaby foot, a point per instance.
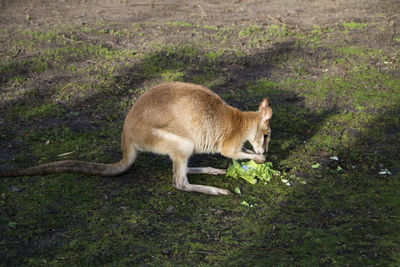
(206, 170)
(210, 190)
(181, 182)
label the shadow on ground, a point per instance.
(348, 216)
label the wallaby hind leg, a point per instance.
(206, 170)
(180, 149)
(181, 182)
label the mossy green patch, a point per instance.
(27, 112)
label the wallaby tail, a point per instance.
(74, 166)
(68, 166)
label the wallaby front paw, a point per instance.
(259, 159)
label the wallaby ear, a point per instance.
(263, 104)
(265, 111)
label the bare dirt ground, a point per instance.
(297, 15)
(302, 14)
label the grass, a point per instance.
(62, 91)
(354, 25)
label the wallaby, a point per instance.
(179, 119)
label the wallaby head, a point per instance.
(262, 134)
(178, 120)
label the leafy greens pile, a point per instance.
(251, 171)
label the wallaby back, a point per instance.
(189, 111)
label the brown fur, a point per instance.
(179, 119)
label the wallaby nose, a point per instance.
(266, 147)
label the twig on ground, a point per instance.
(66, 154)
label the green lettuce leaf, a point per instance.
(251, 171)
